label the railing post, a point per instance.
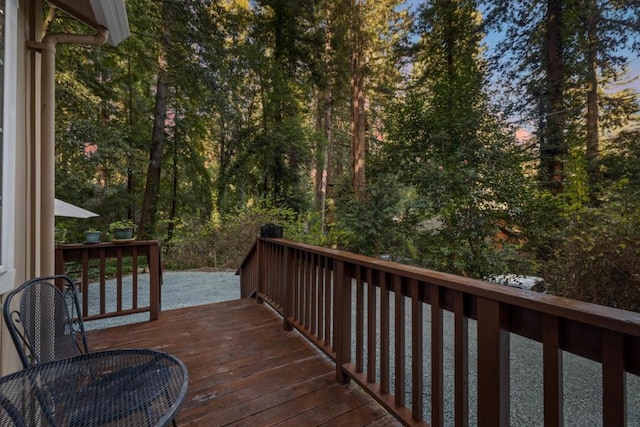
(59, 261)
(342, 321)
(154, 280)
(614, 387)
(493, 364)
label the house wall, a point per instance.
(26, 218)
(28, 242)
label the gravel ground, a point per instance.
(582, 378)
(582, 382)
(179, 289)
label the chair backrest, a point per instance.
(46, 323)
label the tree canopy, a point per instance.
(368, 126)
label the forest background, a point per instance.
(377, 127)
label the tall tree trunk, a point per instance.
(325, 119)
(174, 182)
(130, 175)
(358, 140)
(552, 148)
(323, 175)
(319, 164)
(148, 218)
(328, 125)
(593, 140)
(224, 161)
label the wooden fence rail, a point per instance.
(80, 255)
(368, 315)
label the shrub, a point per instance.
(222, 244)
(599, 259)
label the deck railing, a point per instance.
(369, 316)
(77, 260)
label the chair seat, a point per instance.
(125, 393)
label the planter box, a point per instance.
(92, 237)
(123, 233)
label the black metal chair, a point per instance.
(46, 324)
(9, 413)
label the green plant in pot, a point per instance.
(92, 235)
(123, 229)
(60, 234)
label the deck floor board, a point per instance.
(245, 370)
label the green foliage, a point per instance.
(598, 258)
(122, 224)
(372, 226)
(457, 155)
(223, 243)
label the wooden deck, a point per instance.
(244, 369)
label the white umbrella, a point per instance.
(62, 208)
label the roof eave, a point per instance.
(110, 14)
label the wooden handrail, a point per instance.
(328, 295)
(83, 253)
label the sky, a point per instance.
(492, 38)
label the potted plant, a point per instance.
(92, 235)
(60, 234)
(123, 229)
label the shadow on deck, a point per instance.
(244, 369)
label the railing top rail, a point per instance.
(75, 251)
(627, 322)
(106, 244)
(248, 256)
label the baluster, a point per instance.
(399, 326)
(119, 279)
(289, 257)
(328, 301)
(359, 320)
(372, 334)
(103, 285)
(552, 365)
(384, 334)
(437, 351)
(307, 291)
(461, 387)
(417, 351)
(321, 285)
(85, 282)
(134, 277)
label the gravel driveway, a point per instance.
(179, 289)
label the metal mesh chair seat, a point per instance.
(132, 387)
(128, 391)
(9, 413)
